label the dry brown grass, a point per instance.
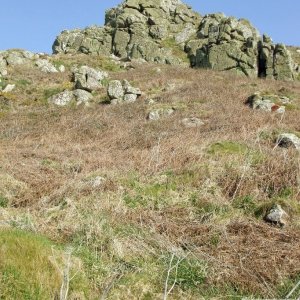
(54, 150)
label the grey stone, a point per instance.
(15, 58)
(62, 99)
(287, 140)
(277, 216)
(157, 114)
(82, 96)
(45, 66)
(128, 89)
(115, 90)
(129, 98)
(192, 122)
(3, 66)
(268, 103)
(9, 88)
(89, 79)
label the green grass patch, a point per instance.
(227, 147)
(3, 201)
(29, 267)
(51, 92)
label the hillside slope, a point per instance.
(172, 207)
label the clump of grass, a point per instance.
(176, 49)
(31, 267)
(227, 147)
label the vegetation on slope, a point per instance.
(179, 212)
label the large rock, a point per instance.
(225, 44)
(168, 31)
(89, 79)
(140, 29)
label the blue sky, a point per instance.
(34, 24)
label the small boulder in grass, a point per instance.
(122, 92)
(268, 103)
(157, 114)
(277, 216)
(88, 79)
(192, 122)
(288, 140)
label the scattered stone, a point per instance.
(151, 101)
(192, 122)
(66, 97)
(115, 90)
(82, 96)
(9, 88)
(287, 140)
(97, 181)
(119, 92)
(277, 216)
(268, 103)
(89, 79)
(128, 89)
(129, 98)
(62, 99)
(156, 114)
(61, 69)
(45, 66)
(3, 66)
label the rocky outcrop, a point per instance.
(225, 44)
(168, 31)
(149, 30)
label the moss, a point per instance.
(227, 147)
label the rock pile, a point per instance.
(168, 31)
(122, 92)
(86, 80)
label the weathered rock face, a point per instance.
(275, 61)
(225, 44)
(139, 29)
(168, 31)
